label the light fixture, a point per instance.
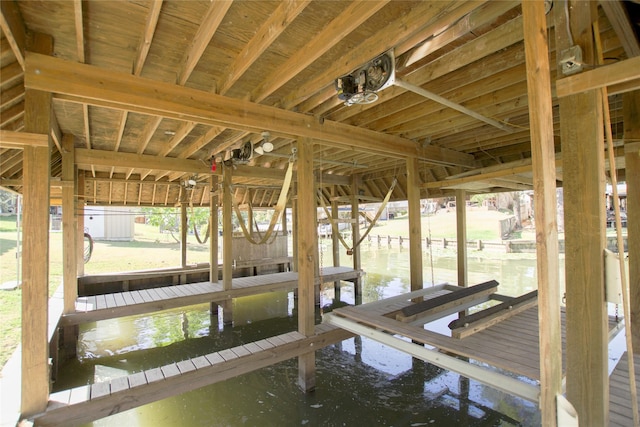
(266, 146)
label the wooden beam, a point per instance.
(131, 160)
(333, 33)
(620, 72)
(79, 26)
(35, 249)
(208, 27)
(421, 20)
(631, 104)
(619, 19)
(268, 32)
(415, 225)
(306, 259)
(14, 29)
(544, 172)
(147, 38)
(89, 84)
(581, 124)
(11, 139)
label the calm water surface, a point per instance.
(359, 382)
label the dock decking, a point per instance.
(511, 345)
(87, 403)
(108, 306)
(620, 414)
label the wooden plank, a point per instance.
(240, 351)
(170, 370)
(479, 315)
(177, 384)
(618, 72)
(433, 303)
(100, 389)
(110, 300)
(153, 375)
(186, 366)
(486, 322)
(119, 384)
(227, 355)
(128, 298)
(214, 358)
(136, 380)
(201, 362)
(119, 299)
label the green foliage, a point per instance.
(166, 219)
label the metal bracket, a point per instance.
(571, 60)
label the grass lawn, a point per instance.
(152, 249)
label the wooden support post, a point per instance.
(307, 244)
(80, 224)
(250, 224)
(461, 236)
(335, 241)
(631, 104)
(69, 226)
(227, 243)
(355, 230)
(544, 176)
(583, 171)
(415, 224)
(213, 235)
(294, 226)
(183, 233)
(36, 163)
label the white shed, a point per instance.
(109, 222)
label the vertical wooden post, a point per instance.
(461, 236)
(544, 186)
(80, 224)
(631, 104)
(307, 244)
(183, 233)
(227, 243)
(583, 171)
(335, 241)
(294, 229)
(415, 224)
(213, 237)
(213, 229)
(35, 248)
(355, 230)
(69, 225)
(250, 225)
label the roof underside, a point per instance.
(276, 63)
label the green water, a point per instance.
(359, 382)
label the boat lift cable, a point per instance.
(616, 204)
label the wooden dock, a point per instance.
(90, 402)
(511, 345)
(619, 394)
(119, 304)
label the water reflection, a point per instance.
(359, 381)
